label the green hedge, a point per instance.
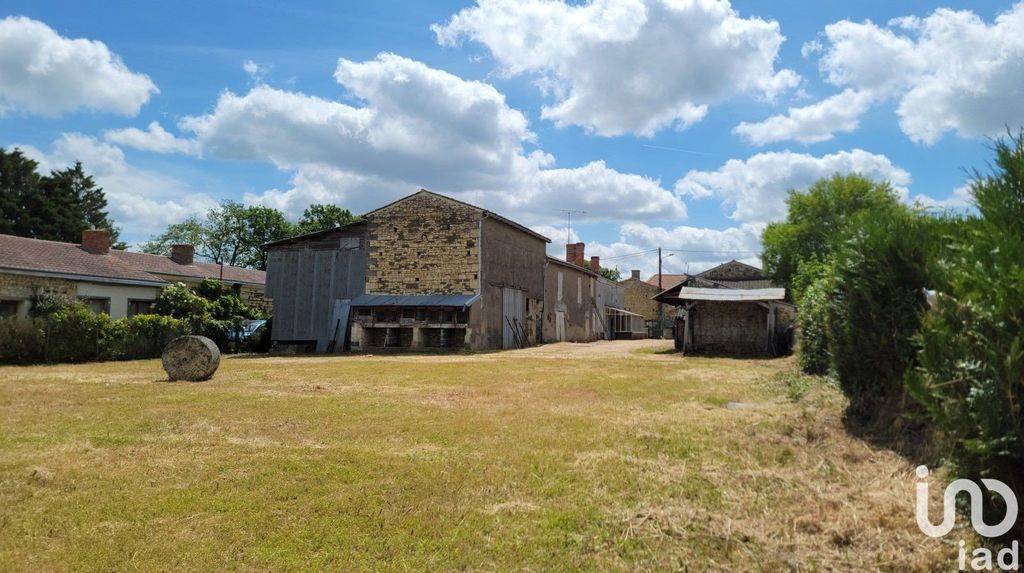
(75, 334)
(812, 331)
(971, 362)
(875, 309)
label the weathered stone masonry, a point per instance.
(423, 245)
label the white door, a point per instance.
(560, 325)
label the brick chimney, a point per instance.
(183, 254)
(595, 264)
(96, 241)
(636, 274)
(574, 254)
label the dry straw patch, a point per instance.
(610, 456)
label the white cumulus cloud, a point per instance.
(756, 188)
(44, 73)
(948, 71)
(154, 138)
(627, 66)
(810, 124)
(415, 126)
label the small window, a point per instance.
(9, 308)
(140, 307)
(97, 305)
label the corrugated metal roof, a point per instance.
(456, 300)
(731, 295)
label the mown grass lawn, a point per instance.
(610, 456)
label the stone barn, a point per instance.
(426, 245)
(426, 271)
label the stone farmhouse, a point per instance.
(431, 272)
(118, 283)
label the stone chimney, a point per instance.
(595, 264)
(636, 274)
(183, 254)
(96, 241)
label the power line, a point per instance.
(716, 251)
(628, 255)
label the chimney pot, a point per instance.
(96, 241)
(595, 264)
(183, 254)
(636, 274)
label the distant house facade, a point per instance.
(118, 283)
(578, 300)
(732, 309)
(639, 299)
(426, 272)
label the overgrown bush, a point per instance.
(971, 374)
(47, 304)
(875, 308)
(76, 334)
(179, 301)
(144, 335)
(22, 340)
(812, 325)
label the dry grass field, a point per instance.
(609, 456)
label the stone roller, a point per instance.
(192, 358)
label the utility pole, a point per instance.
(568, 222)
(661, 326)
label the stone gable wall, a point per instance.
(424, 245)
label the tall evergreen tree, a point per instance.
(54, 207)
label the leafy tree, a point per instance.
(262, 225)
(319, 217)
(53, 207)
(611, 274)
(818, 219)
(188, 232)
(231, 234)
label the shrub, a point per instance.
(76, 334)
(22, 340)
(812, 323)
(178, 301)
(47, 304)
(144, 335)
(219, 331)
(875, 308)
(971, 348)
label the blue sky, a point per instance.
(671, 123)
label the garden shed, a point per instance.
(747, 322)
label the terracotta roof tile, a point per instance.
(161, 265)
(34, 255)
(20, 253)
(667, 280)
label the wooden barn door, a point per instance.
(513, 323)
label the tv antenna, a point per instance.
(568, 222)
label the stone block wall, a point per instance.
(730, 328)
(425, 244)
(638, 295)
(256, 298)
(24, 286)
